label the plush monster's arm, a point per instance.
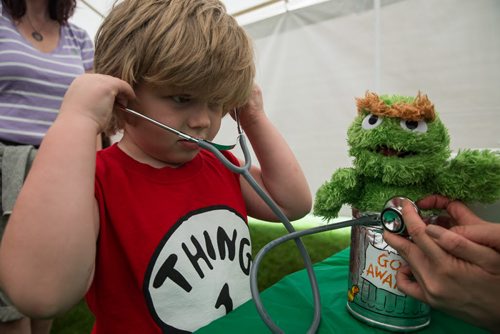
(342, 188)
(472, 176)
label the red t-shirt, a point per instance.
(174, 250)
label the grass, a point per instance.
(285, 258)
(78, 320)
(279, 262)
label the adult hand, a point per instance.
(456, 270)
(467, 235)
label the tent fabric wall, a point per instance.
(312, 63)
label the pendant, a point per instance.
(37, 36)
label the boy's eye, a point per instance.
(181, 99)
(215, 106)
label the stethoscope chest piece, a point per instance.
(391, 216)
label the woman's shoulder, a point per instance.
(78, 39)
(9, 35)
(77, 32)
(4, 15)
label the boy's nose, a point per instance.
(200, 118)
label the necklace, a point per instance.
(37, 36)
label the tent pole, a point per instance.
(377, 50)
(92, 8)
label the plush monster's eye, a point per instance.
(414, 126)
(371, 122)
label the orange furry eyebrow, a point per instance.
(420, 109)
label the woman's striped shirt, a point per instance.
(33, 83)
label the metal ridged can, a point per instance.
(372, 295)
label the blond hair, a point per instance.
(192, 45)
(421, 108)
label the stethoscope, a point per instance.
(391, 218)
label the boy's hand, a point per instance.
(93, 97)
(252, 110)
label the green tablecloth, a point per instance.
(289, 303)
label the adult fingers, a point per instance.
(462, 214)
(416, 230)
(460, 247)
(484, 234)
(407, 249)
(433, 202)
(408, 285)
(441, 220)
(402, 245)
(456, 209)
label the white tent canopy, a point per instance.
(313, 61)
(89, 13)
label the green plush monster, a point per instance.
(401, 148)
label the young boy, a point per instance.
(153, 230)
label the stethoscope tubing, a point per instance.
(292, 234)
(245, 172)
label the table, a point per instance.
(289, 303)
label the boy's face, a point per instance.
(180, 110)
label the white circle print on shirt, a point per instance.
(200, 271)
